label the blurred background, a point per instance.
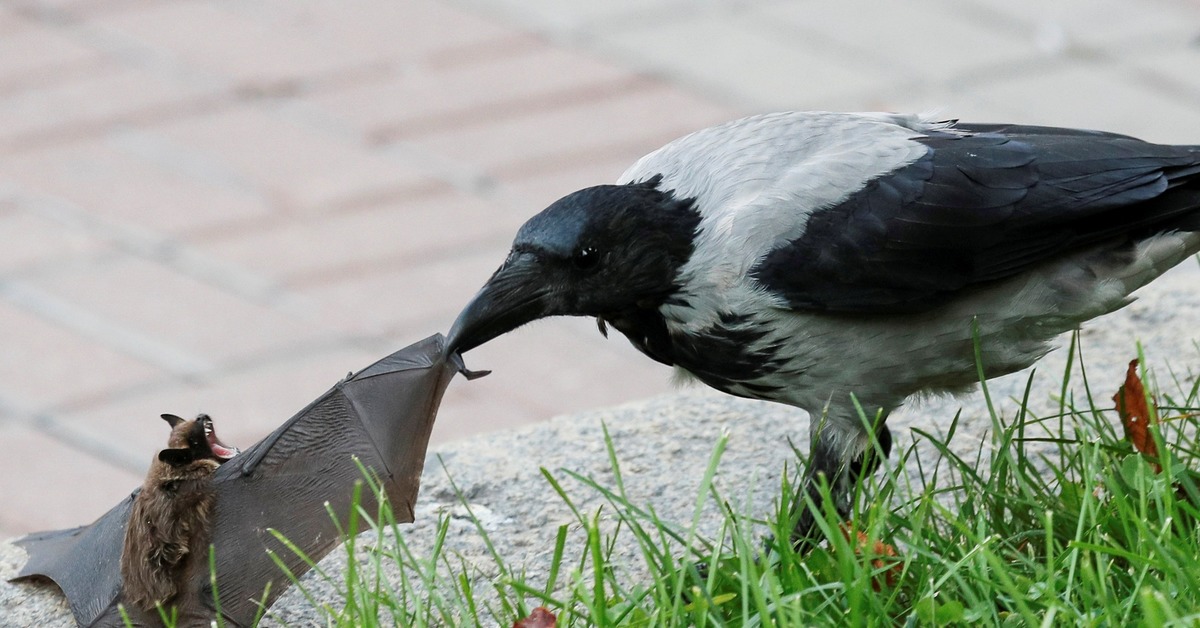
(224, 206)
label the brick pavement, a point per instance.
(223, 206)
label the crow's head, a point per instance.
(599, 251)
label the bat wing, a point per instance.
(84, 562)
(382, 416)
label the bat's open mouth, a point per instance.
(219, 449)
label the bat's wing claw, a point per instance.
(457, 361)
(469, 374)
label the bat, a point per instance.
(167, 536)
(382, 414)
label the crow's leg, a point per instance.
(869, 460)
(842, 452)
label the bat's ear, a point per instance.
(172, 419)
(177, 457)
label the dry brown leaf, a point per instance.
(884, 553)
(1135, 415)
(539, 618)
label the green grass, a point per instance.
(1089, 535)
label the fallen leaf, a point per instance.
(1135, 415)
(884, 553)
(539, 618)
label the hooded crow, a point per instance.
(824, 260)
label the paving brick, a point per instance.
(402, 32)
(55, 53)
(44, 366)
(177, 311)
(629, 122)
(128, 178)
(250, 404)
(303, 168)
(731, 57)
(1100, 24)
(409, 302)
(9, 23)
(559, 366)
(1176, 67)
(246, 404)
(92, 105)
(538, 190)
(58, 11)
(255, 401)
(281, 42)
(427, 98)
(86, 323)
(878, 42)
(341, 246)
(564, 365)
(571, 16)
(1083, 96)
(249, 50)
(31, 240)
(48, 485)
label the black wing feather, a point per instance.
(981, 207)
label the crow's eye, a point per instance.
(586, 258)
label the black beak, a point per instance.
(515, 295)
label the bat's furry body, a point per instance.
(169, 527)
